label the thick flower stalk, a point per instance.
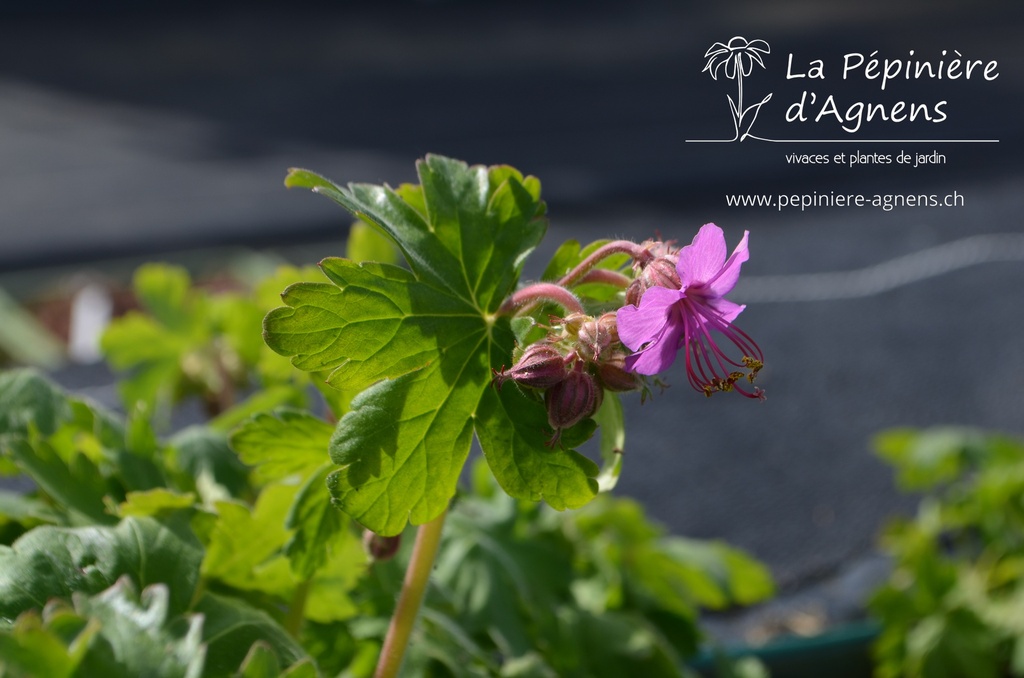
(693, 316)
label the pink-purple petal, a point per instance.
(640, 325)
(702, 259)
(723, 282)
(660, 354)
(727, 310)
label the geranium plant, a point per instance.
(421, 346)
(222, 548)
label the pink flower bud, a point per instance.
(540, 366)
(574, 399)
(593, 339)
(661, 272)
(613, 375)
(608, 323)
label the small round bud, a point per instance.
(612, 374)
(378, 547)
(573, 322)
(610, 324)
(593, 339)
(661, 272)
(540, 366)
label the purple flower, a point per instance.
(690, 317)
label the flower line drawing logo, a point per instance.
(736, 60)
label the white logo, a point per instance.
(736, 60)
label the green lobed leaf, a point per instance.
(402, 447)
(75, 485)
(512, 429)
(374, 322)
(283, 443)
(230, 627)
(332, 588)
(49, 562)
(29, 400)
(233, 555)
(164, 291)
(261, 662)
(366, 243)
(139, 632)
(154, 502)
(30, 649)
(421, 345)
(316, 523)
(200, 451)
(612, 420)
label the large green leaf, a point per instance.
(230, 627)
(55, 562)
(421, 345)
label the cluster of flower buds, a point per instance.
(579, 358)
(658, 271)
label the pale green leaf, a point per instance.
(154, 502)
(139, 633)
(366, 243)
(164, 291)
(284, 443)
(612, 421)
(261, 662)
(316, 522)
(233, 555)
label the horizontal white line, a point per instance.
(888, 275)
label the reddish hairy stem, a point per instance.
(541, 292)
(639, 253)
(603, 275)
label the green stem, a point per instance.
(297, 610)
(428, 538)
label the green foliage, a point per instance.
(116, 511)
(601, 591)
(420, 345)
(954, 604)
(248, 569)
(188, 341)
(219, 550)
